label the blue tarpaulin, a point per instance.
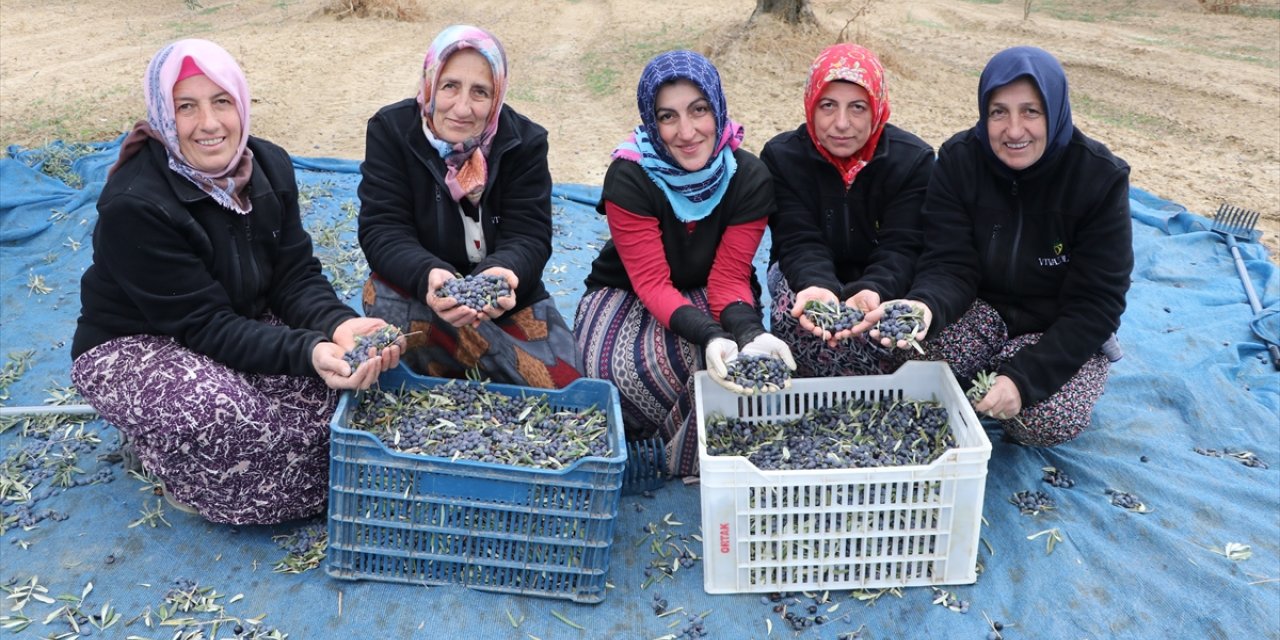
(1196, 376)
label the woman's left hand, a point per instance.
(1002, 402)
(507, 302)
(345, 334)
(767, 344)
(863, 301)
(326, 359)
(387, 358)
(873, 317)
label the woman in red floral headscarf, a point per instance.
(849, 188)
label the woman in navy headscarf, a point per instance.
(674, 290)
(1028, 250)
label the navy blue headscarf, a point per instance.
(1047, 75)
(692, 194)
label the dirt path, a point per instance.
(1190, 100)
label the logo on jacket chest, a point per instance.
(1057, 259)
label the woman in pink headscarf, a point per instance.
(456, 183)
(849, 187)
(208, 335)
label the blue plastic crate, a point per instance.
(646, 466)
(428, 520)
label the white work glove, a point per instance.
(769, 345)
(719, 352)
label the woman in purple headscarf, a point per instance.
(1028, 249)
(674, 290)
(456, 183)
(208, 335)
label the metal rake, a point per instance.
(1235, 223)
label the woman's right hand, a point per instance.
(874, 316)
(448, 309)
(806, 296)
(327, 360)
(719, 352)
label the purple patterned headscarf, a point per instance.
(693, 194)
(227, 185)
(468, 170)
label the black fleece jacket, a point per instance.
(1050, 248)
(866, 237)
(410, 225)
(169, 260)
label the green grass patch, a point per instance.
(938, 26)
(1174, 30)
(1271, 13)
(1054, 10)
(1118, 117)
(1263, 56)
(71, 119)
(185, 29)
(602, 81)
(1153, 42)
(601, 76)
(602, 70)
(521, 93)
(1085, 12)
(1270, 63)
(651, 44)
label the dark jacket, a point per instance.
(1050, 248)
(410, 225)
(168, 260)
(867, 237)
(689, 254)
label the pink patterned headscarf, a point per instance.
(468, 170)
(227, 185)
(850, 63)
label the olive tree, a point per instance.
(789, 11)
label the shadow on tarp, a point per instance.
(1195, 375)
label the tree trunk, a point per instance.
(789, 11)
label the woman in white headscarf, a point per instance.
(456, 183)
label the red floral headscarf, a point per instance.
(850, 63)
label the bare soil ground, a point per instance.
(1190, 99)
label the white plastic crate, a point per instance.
(794, 530)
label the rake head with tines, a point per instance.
(1234, 222)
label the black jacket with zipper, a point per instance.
(1050, 248)
(169, 260)
(865, 237)
(410, 225)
